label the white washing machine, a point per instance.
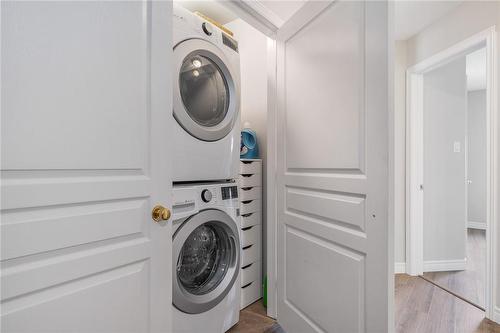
(206, 100)
(206, 258)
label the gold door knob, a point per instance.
(160, 213)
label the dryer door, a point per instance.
(206, 258)
(206, 101)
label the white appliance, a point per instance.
(206, 100)
(206, 258)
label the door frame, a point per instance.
(256, 14)
(414, 158)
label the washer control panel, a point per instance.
(189, 198)
(229, 192)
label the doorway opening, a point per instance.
(454, 160)
(451, 168)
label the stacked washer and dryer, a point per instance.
(206, 134)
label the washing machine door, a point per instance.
(206, 101)
(206, 260)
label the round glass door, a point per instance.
(206, 256)
(204, 259)
(203, 90)
(206, 101)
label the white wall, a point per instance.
(476, 173)
(445, 107)
(253, 63)
(468, 19)
(400, 149)
(253, 59)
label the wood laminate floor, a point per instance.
(253, 319)
(424, 308)
(420, 307)
(470, 283)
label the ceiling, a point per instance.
(411, 17)
(476, 70)
(277, 11)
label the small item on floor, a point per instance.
(264, 292)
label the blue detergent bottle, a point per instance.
(249, 147)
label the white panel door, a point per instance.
(85, 122)
(333, 247)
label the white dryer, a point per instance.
(206, 100)
(206, 258)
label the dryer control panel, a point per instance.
(192, 24)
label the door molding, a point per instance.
(414, 157)
(496, 315)
(271, 195)
(254, 14)
(476, 225)
(445, 265)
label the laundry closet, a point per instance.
(125, 203)
(219, 202)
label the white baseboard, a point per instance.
(400, 268)
(476, 225)
(496, 315)
(445, 265)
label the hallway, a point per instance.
(422, 307)
(470, 283)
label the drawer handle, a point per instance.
(247, 175)
(246, 188)
(247, 215)
(247, 162)
(245, 267)
(247, 285)
(247, 247)
(247, 228)
(246, 202)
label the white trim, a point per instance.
(265, 12)
(301, 18)
(399, 268)
(248, 13)
(414, 174)
(271, 160)
(496, 315)
(476, 225)
(414, 167)
(445, 265)
(251, 14)
(452, 52)
(466, 161)
(492, 174)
